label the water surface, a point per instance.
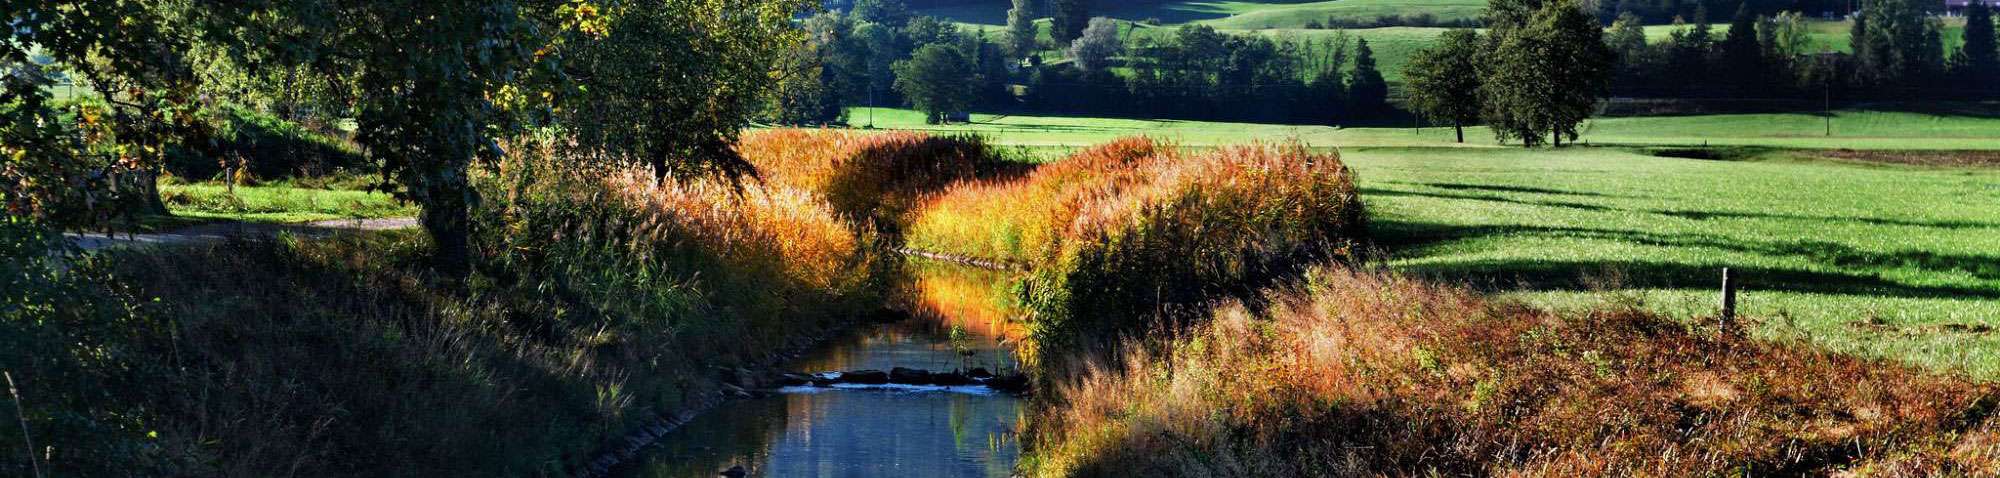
(894, 431)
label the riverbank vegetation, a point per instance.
(606, 304)
(1125, 234)
(1363, 373)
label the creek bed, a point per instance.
(893, 430)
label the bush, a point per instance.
(602, 303)
(1212, 225)
(1131, 232)
(869, 178)
(1367, 374)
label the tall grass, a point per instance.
(1133, 233)
(601, 302)
(1360, 373)
(871, 178)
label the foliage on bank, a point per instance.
(599, 304)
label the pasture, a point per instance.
(1235, 14)
(1882, 260)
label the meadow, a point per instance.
(1885, 260)
(1852, 129)
(1236, 14)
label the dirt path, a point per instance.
(211, 233)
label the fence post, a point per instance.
(1728, 299)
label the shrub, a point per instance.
(1011, 219)
(1132, 231)
(869, 177)
(1368, 374)
(603, 303)
(1217, 224)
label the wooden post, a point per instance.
(1728, 299)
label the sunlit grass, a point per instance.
(278, 204)
(1829, 245)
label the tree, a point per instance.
(1978, 60)
(937, 79)
(886, 12)
(1742, 57)
(1021, 31)
(624, 110)
(1068, 20)
(1367, 93)
(1897, 43)
(1444, 79)
(1094, 49)
(1547, 76)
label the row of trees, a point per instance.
(1197, 72)
(1534, 77)
(436, 88)
(1898, 52)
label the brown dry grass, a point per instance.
(1367, 374)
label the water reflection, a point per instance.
(841, 433)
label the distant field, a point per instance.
(1826, 35)
(1852, 129)
(1237, 14)
(1898, 262)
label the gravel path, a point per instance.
(212, 233)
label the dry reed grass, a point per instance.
(1368, 374)
(869, 177)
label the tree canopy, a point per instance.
(937, 80)
(1444, 79)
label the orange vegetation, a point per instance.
(1368, 374)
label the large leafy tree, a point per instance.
(1444, 79)
(1021, 30)
(1367, 92)
(1978, 61)
(133, 61)
(669, 84)
(1546, 76)
(1068, 20)
(1094, 49)
(1742, 56)
(937, 80)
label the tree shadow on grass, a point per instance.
(1948, 224)
(1846, 270)
(1367, 192)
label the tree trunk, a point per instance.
(1460, 126)
(1556, 139)
(149, 192)
(447, 217)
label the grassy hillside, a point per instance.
(1236, 14)
(1851, 129)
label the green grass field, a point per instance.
(1900, 262)
(1235, 14)
(1896, 261)
(1851, 129)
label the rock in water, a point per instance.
(979, 373)
(869, 377)
(735, 472)
(949, 379)
(795, 379)
(909, 376)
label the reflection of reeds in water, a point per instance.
(980, 301)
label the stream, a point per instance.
(891, 430)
